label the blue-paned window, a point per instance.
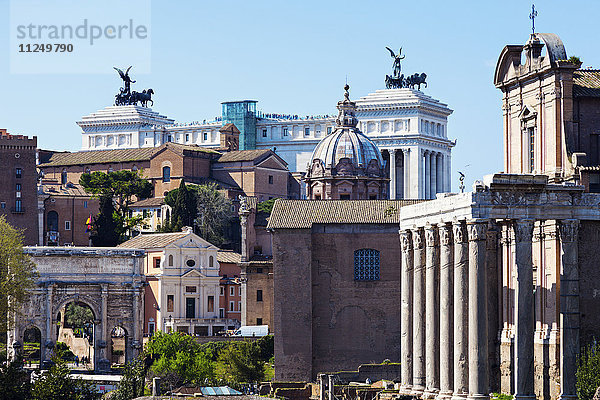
(366, 265)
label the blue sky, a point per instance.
(293, 57)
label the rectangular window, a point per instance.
(190, 289)
(259, 295)
(151, 328)
(259, 321)
(232, 306)
(3, 205)
(270, 179)
(232, 290)
(205, 136)
(366, 265)
(307, 131)
(85, 204)
(328, 130)
(67, 225)
(240, 291)
(157, 262)
(211, 304)
(170, 302)
(18, 172)
(18, 187)
(187, 137)
(285, 131)
(158, 213)
(221, 313)
(240, 305)
(222, 291)
(264, 133)
(531, 132)
(144, 213)
(18, 206)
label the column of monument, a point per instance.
(104, 328)
(406, 193)
(569, 307)
(433, 169)
(418, 312)
(392, 153)
(48, 337)
(427, 190)
(446, 310)
(524, 314)
(406, 292)
(461, 311)
(478, 354)
(493, 310)
(432, 338)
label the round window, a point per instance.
(190, 263)
(17, 155)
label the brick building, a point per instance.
(18, 184)
(336, 285)
(230, 295)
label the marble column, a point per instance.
(392, 153)
(493, 292)
(406, 292)
(427, 189)
(406, 192)
(432, 337)
(49, 317)
(569, 307)
(104, 328)
(433, 169)
(446, 309)
(524, 313)
(418, 312)
(440, 173)
(461, 311)
(478, 345)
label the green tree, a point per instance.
(17, 272)
(588, 372)
(132, 383)
(56, 384)
(78, 315)
(214, 213)
(240, 362)
(184, 207)
(14, 381)
(266, 206)
(108, 226)
(124, 188)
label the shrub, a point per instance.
(588, 372)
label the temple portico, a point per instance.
(472, 267)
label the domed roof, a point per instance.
(347, 141)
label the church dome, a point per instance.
(347, 141)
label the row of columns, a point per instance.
(434, 165)
(444, 308)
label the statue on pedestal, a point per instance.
(126, 96)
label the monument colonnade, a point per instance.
(450, 308)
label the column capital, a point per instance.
(568, 229)
(445, 231)
(523, 229)
(431, 236)
(477, 229)
(458, 231)
(417, 235)
(406, 240)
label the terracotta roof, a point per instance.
(70, 189)
(153, 240)
(151, 202)
(228, 256)
(586, 83)
(243, 155)
(231, 128)
(116, 156)
(299, 214)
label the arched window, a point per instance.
(52, 221)
(170, 260)
(166, 176)
(366, 265)
(63, 177)
(211, 262)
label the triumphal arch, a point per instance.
(106, 281)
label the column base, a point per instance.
(417, 391)
(479, 396)
(430, 393)
(444, 395)
(459, 396)
(406, 389)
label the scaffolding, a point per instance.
(243, 115)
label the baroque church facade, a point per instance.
(492, 290)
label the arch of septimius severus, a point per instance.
(107, 280)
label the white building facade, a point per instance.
(409, 127)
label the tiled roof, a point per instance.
(586, 83)
(299, 214)
(153, 240)
(228, 256)
(70, 189)
(243, 155)
(115, 156)
(151, 202)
